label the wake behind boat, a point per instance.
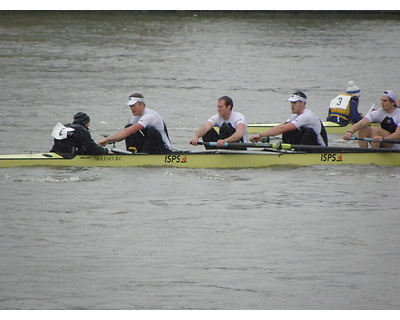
(257, 156)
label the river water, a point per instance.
(164, 238)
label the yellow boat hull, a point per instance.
(214, 159)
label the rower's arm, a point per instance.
(355, 127)
(201, 132)
(279, 129)
(239, 133)
(121, 135)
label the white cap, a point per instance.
(296, 97)
(133, 100)
(390, 94)
(352, 88)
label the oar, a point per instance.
(371, 109)
(372, 140)
(297, 147)
(236, 145)
(276, 146)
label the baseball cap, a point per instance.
(391, 94)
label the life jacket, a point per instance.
(340, 106)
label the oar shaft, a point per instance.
(372, 140)
(297, 147)
(240, 144)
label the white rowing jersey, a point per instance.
(150, 118)
(235, 119)
(308, 119)
(381, 115)
(378, 115)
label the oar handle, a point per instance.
(372, 140)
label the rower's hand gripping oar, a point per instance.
(113, 142)
(372, 140)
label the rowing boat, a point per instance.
(271, 155)
(331, 127)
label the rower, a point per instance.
(344, 108)
(146, 131)
(232, 126)
(303, 127)
(389, 118)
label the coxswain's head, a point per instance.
(82, 119)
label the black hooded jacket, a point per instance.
(79, 142)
